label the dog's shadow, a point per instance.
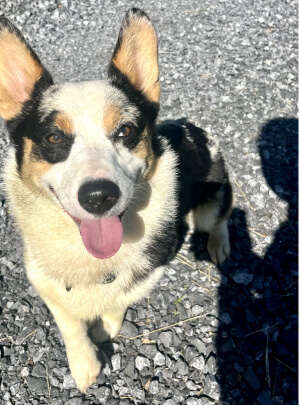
(257, 334)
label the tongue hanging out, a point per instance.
(102, 237)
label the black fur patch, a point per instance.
(43, 150)
(25, 124)
(201, 180)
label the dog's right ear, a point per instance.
(20, 70)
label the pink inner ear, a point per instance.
(18, 83)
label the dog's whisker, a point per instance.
(32, 192)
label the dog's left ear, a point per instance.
(136, 55)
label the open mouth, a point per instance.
(101, 237)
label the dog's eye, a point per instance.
(125, 130)
(54, 139)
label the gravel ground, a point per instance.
(232, 70)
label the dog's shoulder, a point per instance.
(199, 155)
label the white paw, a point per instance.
(218, 243)
(85, 367)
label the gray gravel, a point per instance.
(231, 68)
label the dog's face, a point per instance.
(84, 144)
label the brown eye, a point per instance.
(124, 131)
(54, 139)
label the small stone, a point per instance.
(252, 379)
(24, 372)
(37, 384)
(130, 368)
(211, 366)
(39, 371)
(102, 394)
(169, 402)
(212, 388)
(191, 386)
(148, 351)
(193, 401)
(190, 353)
(166, 338)
(116, 362)
(141, 362)
(228, 346)
(241, 277)
(278, 400)
(235, 393)
(199, 344)
(6, 351)
(238, 367)
(198, 363)
(68, 382)
(138, 393)
(14, 389)
(225, 318)
(182, 367)
(265, 398)
(132, 315)
(159, 359)
(40, 334)
(74, 401)
(197, 310)
(128, 329)
(154, 387)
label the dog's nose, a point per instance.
(97, 197)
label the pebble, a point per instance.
(116, 362)
(182, 367)
(39, 371)
(148, 351)
(74, 401)
(128, 329)
(154, 387)
(252, 379)
(212, 388)
(102, 394)
(159, 359)
(141, 362)
(264, 398)
(37, 384)
(68, 382)
(166, 338)
(198, 363)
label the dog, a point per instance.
(99, 191)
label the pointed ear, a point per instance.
(136, 54)
(20, 69)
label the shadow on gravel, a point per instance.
(257, 336)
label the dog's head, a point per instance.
(85, 144)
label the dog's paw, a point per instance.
(218, 243)
(85, 367)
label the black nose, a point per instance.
(97, 197)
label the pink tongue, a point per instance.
(102, 237)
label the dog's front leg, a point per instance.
(81, 352)
(108, 326)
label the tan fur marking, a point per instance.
(19, 72)
(64, 123)
(137, 57)
(32, 169)
(112, 117)
(144, 151)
